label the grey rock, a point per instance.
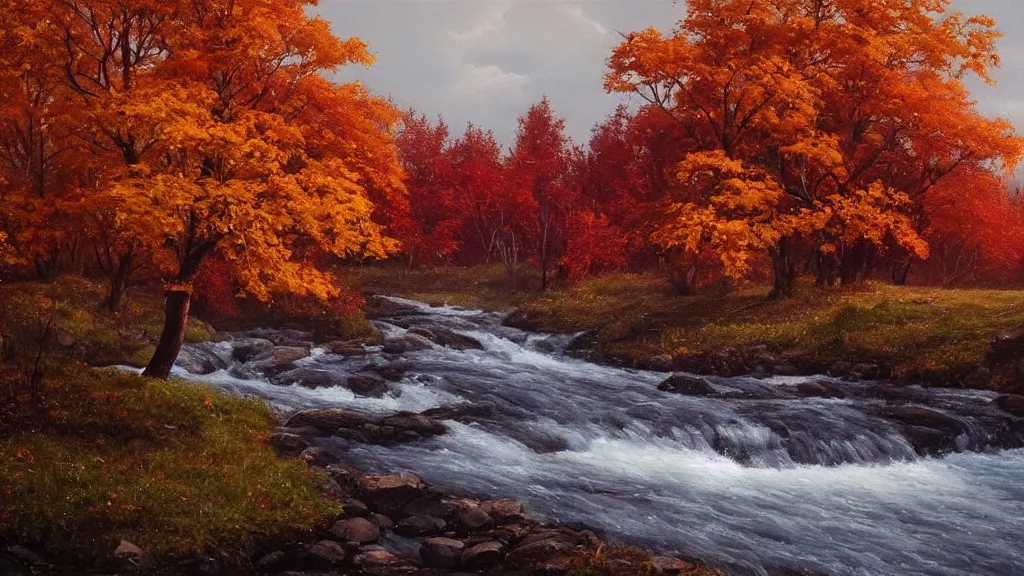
(358, 530)
(127, 550)
(325, 554)
(473, 518)
(420, 526)
(504, 511)
(367, 385)
(288, 444)
(1011, 404)
(330, 420)
(687, 384)
(442, 553)
(483, 555)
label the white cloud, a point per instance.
(486, 61)
(476, 81)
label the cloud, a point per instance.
(486, 61)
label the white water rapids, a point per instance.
(752, 479)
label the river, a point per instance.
(751, 477)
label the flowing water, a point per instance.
(751, 478)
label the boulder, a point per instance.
(270, 562)
(441, 553)
(382, 307)
(687, 384)
(448, 338)
(392, 372)
(1011, 404)
(318, 456)
(864, 371)
(420, 525)
(431, 504)
(979, 377)
(409, 342)
(358, 530)
(345, 348)
(282, 355)
(473, 518)
(464, 413)
(288, 444)
(483, 555)
(324, 554)
(1007, 346)
(279, 359)
(381, 563)
(307, 378)
(127, 550)
(329, 421)
(929, 432)
(199, 359)
(367, 385)
(820, 389)
(544, 545)
(390, 493)
(249, 349)
(350, 507)
(840, 369)
(415, 423)
(504, 511)
(381, 521)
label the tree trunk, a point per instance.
(783, 268)
(900, 271)
(176, 306)
(119, 282)
(684, 279)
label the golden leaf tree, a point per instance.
(229, 140)
(816, 121)
(41, 165)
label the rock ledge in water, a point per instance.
(687, 384)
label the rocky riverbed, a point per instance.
(755, 475)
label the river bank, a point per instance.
(104, 472)
(757, 476)
(908, 335)
(754, 476)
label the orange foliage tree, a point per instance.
(41, 167)
(229, 141)
(813, 121)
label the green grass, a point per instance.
(74, 305)
(917, 331)
(485, 287)
(98, 455)
(175, 468)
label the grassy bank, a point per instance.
(93, 456)
(919, 333)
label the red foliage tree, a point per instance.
(423, 149)
(975, 230)
(539, 164)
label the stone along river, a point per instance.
(745, 474)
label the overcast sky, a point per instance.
(486, 61)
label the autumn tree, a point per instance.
(820, 122)
(975, 230)
(232, 142)
(41, 168)
(481, 196)
(539, 163)
(424, 151)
